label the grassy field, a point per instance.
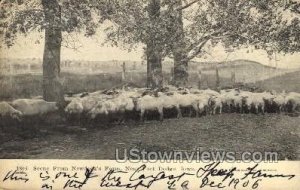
(76, 79)
(289, 82)
(227, 132)
(29, 85)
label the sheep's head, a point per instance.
(165, 89)
(244, 99)
(183, 90)
(159, 94)
(136, 104)
(93, 114)
(98, 109)
(268, 97)
(212, 100)
(74, 107)
(56, 106)
(129, 104)
(170, 93)
(17, 115)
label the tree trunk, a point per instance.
(180, 70)
(154, 63)
(178, 47)
(52, 88)
(153, 50)
(217, 78)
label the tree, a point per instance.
(177, 46)
(234, 23)
(153, 47)
(139, 22)
(182, 29)
(55, 17)
(52, 88)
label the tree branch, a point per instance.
(198, 50)
(187, 5)
(202, 42)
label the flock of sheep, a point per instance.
(142, 101)
(199, 102)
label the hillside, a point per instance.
(289, 82)
(245, 71)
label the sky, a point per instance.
(92, 49)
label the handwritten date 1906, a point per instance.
(211, 175)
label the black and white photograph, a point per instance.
(149, 94)
(150, 80)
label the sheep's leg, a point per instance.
(122, 117)
(294, 106)
(221, 109)
(214, 110)
(256, 108)
(283, 108)
(142, 114)
(280, 108)
(179, 114)
(263, 109)
(196, 110)
(206, 110)
(190, 111)
(246, 108)
(161, 114)
(197, 113)
(209, 110)
(231, 108)
(240, 108)
(251, 108)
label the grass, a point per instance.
(288, 82)
(226, 132)
(29, 85)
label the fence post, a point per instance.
(233, 77)
(199, 79)
(217, 78)
(123, 72)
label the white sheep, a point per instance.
(103, 107)
(216, 102)
(149, 103)
(203, 104)
(7, 110)
(74, 107)
(30, 107)
(211, 92)
(280, 102)
(293, 99)
(118, 104)
(85, 104)
(188, 101)
(169, 102)
(257, 100)
(231, 98)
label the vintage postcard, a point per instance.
(149, 94)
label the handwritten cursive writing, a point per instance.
(16, 176)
